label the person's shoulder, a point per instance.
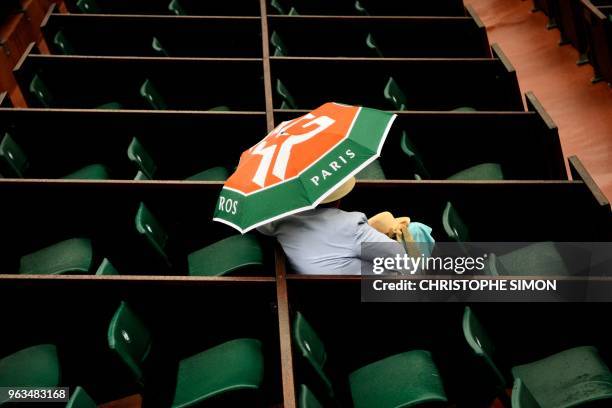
(348, 219)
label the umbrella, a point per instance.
(301, 162)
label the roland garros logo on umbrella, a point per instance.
(300, 162)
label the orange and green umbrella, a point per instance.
(301, 162)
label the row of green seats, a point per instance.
(571, 378)
(280, 49)
(147, 91)
(76, 255)
(66, 47)
(395, 95)
(14, 163)
(536, 259)
(291, 11)
(231, 367)
(91, 7)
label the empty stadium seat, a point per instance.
(159, 48)
(537, 259)
(306, 399)
(484, 171)
(373, 45)
(36, 366)
(88, 6)
(175, 8)
(146, 165)
(570, 378)
(63, 44)
(72, 256)
(220, 258)
(280, 50)
(14, 163)
(522, 397)
(230, 367)
(46, 99)
(152, 96)
(396, 96)
(80, 399)
(402, 380)
(372, 171)
(287, 99)
(360, 8)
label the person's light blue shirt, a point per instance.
(327, 241)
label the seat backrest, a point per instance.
(63, 44)
(311, 348)
(130, 339)
(158, 47)
(283, 92)
(307, 398)
(394, 94)
(522, 397)
(420, 171)
(373, 45)
(361, 8)
(106, 268)
(480, 343)
(150, 93)
(175, 7)
(454, 226)
(143, 160)
(13, 161)
(88, 6)
(280, 50)
(42, 93)
(80, 399)
(152, 231)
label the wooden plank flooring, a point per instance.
(581, 110)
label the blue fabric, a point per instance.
(327, 241)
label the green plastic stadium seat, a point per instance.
(72, 256)
(360, 8)
(44, 96)
(146, 165)
(220, 258)
(14, 163)
(570, 378)
(36, 366)
(88, 6)
(152, 96)
(280, 50)
(536, 259)
(159, 48)
(484, 171)
(401, 380)
(287, 99)
(373, 45)
(63, 44)
(280, 9)
(372, 171)
(220, 108)
(80, 399)
(394, 94)
(522, 397)
(231, 366)
(306, 399)
(225, 256)
(175, 7)
(106, 268)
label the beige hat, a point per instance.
(340, 192)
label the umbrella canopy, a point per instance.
(301, 162)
